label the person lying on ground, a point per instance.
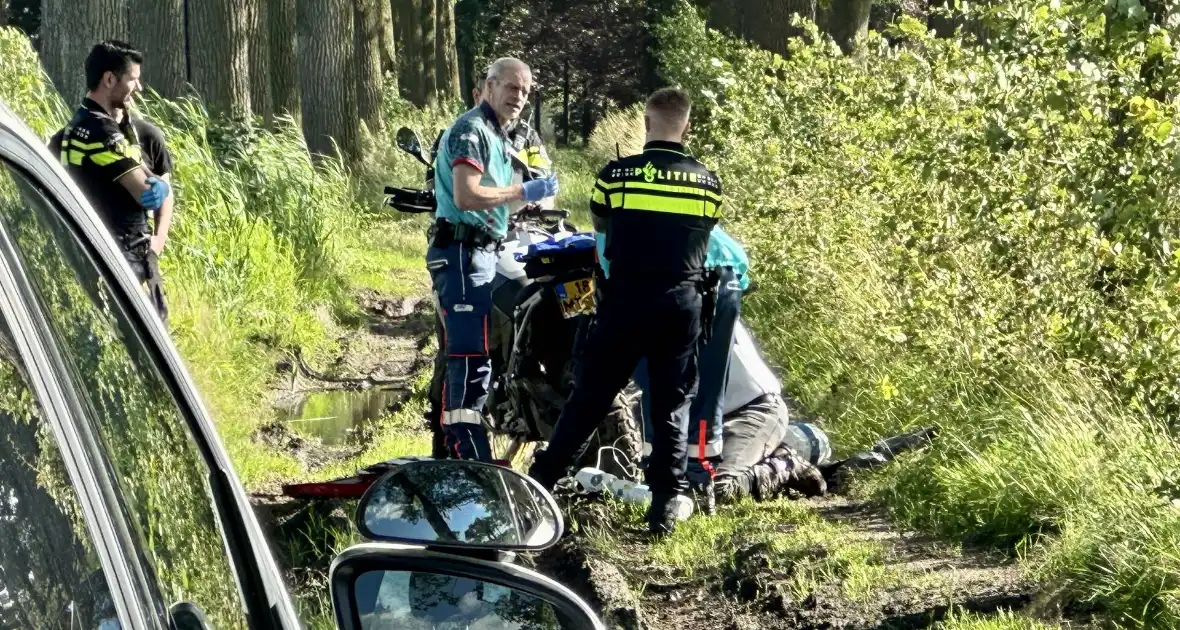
(768, 447)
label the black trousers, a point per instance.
(635, 321)
(146, 265)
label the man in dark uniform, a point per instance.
(657, 210)
(100, 148)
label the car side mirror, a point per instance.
(380, 585)
(459, 506)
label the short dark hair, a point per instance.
(109, 56)
(672, 103)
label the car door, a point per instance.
(174, 502)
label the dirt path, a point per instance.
(843, 566)
(830, 563)
(386, 350)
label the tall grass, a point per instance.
(267, 246)
(938, 243)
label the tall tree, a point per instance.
(409, 36)
(766, 23)
(284, 61)
(157, 28)
(3, 12)
(388, 41)
(428, 28)
(849, 22)
(327, 51)
(219, 55)
(258, 54)
(446, 53)
(369, 79)
(70, 29)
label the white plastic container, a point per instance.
(592, 480)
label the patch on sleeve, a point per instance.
(465, 144)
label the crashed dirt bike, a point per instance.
(544, 296)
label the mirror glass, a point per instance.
(405, 600)
(408, 141)
(454, 503)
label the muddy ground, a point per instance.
(752, 589)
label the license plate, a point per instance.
(576, 297)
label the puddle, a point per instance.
(336, 417)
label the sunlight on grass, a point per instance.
(577, 175)
(1005, 620)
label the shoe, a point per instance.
(807, 480)
(700, 482)
(661, 515)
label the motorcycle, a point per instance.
(445, 535)
(544, 297)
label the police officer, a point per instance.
(473, 187)
(526, 144)
(657, 208)
(100, 149)
(727, 278)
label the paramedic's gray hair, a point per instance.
(504, 63)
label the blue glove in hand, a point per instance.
(538, 189)
(154, 196)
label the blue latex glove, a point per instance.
(154, 196)
(538, 189)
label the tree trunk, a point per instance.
(467, 78)
(219, 55)
(725, 16)
(565, 104)
(388, 42)
(3, 12)
(70, 29)
(326, 52)
(427, 28)
(261, 100)
(849, 22)
(446, 52)
(368, 65)
(409, 36)
(283, 42)
(766, 23)
(157, 28)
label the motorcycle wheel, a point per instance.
(620, 430)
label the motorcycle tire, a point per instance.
(620, 429)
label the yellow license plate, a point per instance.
(576, 297)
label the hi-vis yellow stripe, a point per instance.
(598, 197)
(655, 203)
(85, 146)
(103, 158)
(684, 190)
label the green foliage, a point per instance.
(982, 238)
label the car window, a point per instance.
(152, 456)
(49, 573)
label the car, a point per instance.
(119, 506)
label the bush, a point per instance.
(979, 237)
